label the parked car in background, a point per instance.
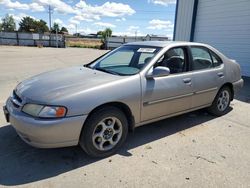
(96, 104)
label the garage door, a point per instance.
(225, 24)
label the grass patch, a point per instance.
(83, 43)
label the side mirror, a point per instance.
(159, 71)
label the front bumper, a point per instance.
(45, 133)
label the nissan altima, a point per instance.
(95, 105)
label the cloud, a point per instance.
(128, 33)
(85, 30)
(22, 6)
(81, 10)
(14, 5)
(35, 7)
(116, 9)
(58, 21)
(120, 19)
(58, 6)
(104, 24)
(160, 24)
(109, 9)
(20, 16)
(85, 17)
(132, 27)
(74, 21)
(162, 2)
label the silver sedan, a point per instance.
(95, 105)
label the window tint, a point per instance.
(216, 59)
(201, 58)
(174, 59)
(119, 58)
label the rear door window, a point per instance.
(201, 58)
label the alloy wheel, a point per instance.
(107, 133)
(223, 100)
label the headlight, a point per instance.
(44, 111)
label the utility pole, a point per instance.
(50, 12)
(136, 35)
(56, 38)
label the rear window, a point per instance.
(216, 59)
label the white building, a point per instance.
(225, 24)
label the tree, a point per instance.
(64, 30)
(28, 24)
(108, 32)
(41, 26)
(105, 34)
(8, 23)
(55, 28)
(99, 33)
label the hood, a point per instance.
(47, 87)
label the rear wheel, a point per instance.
(221, 102)
(104, 132)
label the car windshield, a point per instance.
(126, 60)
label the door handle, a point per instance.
(187, 81)
(220, 74)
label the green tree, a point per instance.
(108, 32)
(105, 34)
(41, 26)
(64, 30)
(99, 33)
(8, 23)
(27, 24)
(55, 28)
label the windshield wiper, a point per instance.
(107, 71)
(87, 65)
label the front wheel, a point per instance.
(104, 132)
(221, 102)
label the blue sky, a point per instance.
(124, 17)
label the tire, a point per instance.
(104, 132)
(220, 105)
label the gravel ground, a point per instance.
(191, 150)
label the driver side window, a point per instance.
(174, 59)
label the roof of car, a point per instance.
(163, 43)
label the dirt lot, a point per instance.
(191, 150)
